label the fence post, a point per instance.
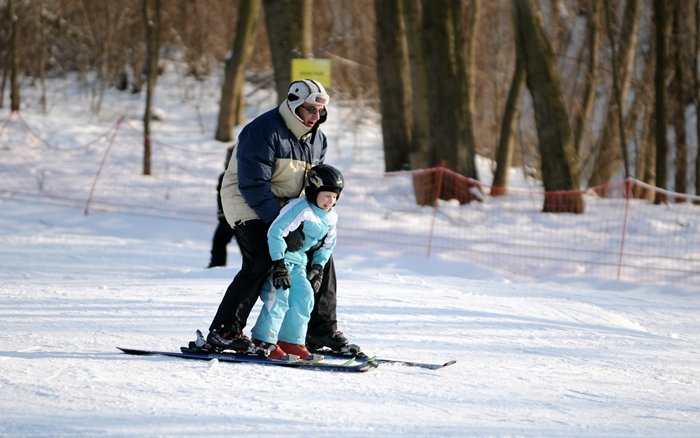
(627, 189)
(102, 163)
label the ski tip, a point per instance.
(133, 351)
(349, 361)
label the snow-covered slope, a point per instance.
(576, 357)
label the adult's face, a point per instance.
(310, 113)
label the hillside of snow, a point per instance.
(580, 356)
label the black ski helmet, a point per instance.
(323, 178)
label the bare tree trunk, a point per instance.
(679, 94)
(419, 154)
(287, 22)
(151, 18)
(14, 62)
(559, 170)
(303, 34)
(4, 56)
(230, 106)
(278, 22)
(610, 150)
(442, 45)
(511, 114)
(394, 83)
(617, 90)
(662, 31)
(41, 55)
(696, 97)
(642, 107)
(443, 100)
(468, 80)
(647, 157)
(3, 83)
(593, 39)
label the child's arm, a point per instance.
(290, 218)
(322, 254)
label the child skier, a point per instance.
(288, 295)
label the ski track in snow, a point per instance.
(533, 359)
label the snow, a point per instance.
(579, 356)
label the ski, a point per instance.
(362, 357)
(350, 365)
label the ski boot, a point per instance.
(272, 351)
(300, 351)
(335, 342)
(225, 341)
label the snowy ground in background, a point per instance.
(575, 357)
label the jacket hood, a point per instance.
(298, 128)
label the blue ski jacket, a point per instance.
(273, 153)
(320, 230)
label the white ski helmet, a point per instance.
(306, 91)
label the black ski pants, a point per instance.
(244, 290)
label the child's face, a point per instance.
(326, 200)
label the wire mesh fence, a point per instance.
(430, 212)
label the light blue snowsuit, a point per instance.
(285, 313)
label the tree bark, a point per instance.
(419, 153)
(14, 62)
(642, 107)
(696, 97)
(302, 34)
(287, 22)
(394, 83)
(511, 114)
(559, 170)
(609, 149)
(593, 40)
(444, 94)
(647, 157)
(151, 18)
(443, 45)
(468, 79)
(231, 103)
(662, 30)
(679, 95)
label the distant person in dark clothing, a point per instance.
(223, 233)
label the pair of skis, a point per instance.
(345, 361)
(350, 365)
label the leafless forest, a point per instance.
(582, 92)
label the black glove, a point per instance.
(280, 275)
(315, 276)
(295, 239)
